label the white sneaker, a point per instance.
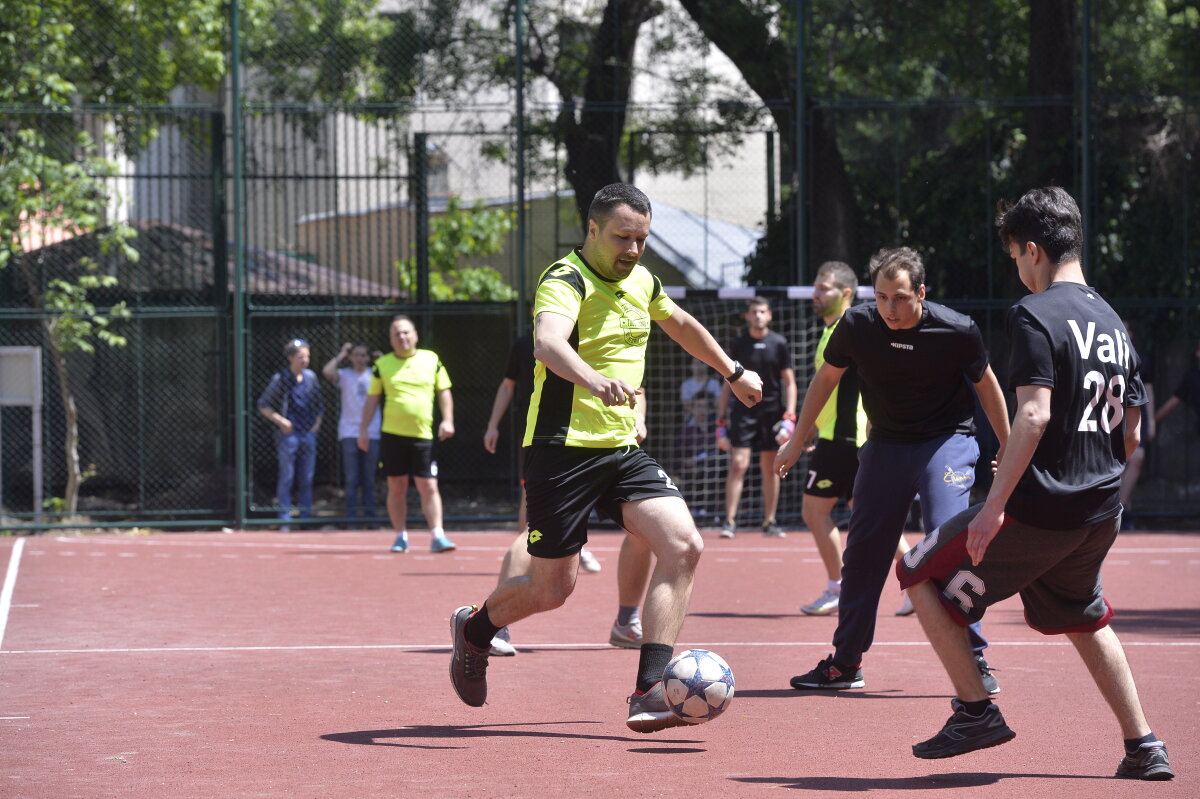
(823, 605)
(501, 646)
(588, 562)
(907, 608)
(627, 636)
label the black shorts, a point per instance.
(831, 469)
(1056, 572)
(402, 456)
(754, 427)
(564, 484)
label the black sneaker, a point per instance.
(963, 733)
(831, 675)
(772, 529)
(468, 665)
(985, 672)
(1150, 763)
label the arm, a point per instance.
(552, 347)
(370, 404)
(504, 395)
(787, 378)
(1145, 413)
(819, 392)
(991, 398)
(1133, 430)
(266, 407)
(640, 410)
(696, 341)
(1033, 414)
(446, 405)
(330, 368)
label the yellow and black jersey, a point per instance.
(843, 417)
(408, 386)
(612, 325)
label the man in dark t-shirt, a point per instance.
(916, 362)
(1053, 510)
(747, 430)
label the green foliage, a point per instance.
(455, 236)
(76, 320)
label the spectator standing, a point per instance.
(358, 466)
(292, 401)
(748, 429)
(407, 381)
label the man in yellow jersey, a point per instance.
(592, 313)
(406, 381)
(840, 429)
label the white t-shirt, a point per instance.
(354, 394)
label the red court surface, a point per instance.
(315, 665)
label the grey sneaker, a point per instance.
(985, 672)
(1150, 763)
(830, 675)
(648, 712)
(823, 605)
(468, 665)
(729, 529)
(501, 646)
(962, 733)
(771, 529)
(626, 636)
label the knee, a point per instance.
(550, 595)
(684, 550)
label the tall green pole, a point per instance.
(799, 142)
(238, 320)
(1085, 133)
(522, 255)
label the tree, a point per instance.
(455, 236)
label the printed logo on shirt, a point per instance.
(900, 346)
(635, 324)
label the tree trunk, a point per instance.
(71, 417)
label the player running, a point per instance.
(592, 312)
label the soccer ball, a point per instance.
(698, 685)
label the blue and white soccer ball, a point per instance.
(698, 685)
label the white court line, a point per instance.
(442, 647)
(10, 583)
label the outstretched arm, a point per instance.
(695, 339)
(819, 391)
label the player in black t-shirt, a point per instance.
(916, 362)
(748, 430)
(1053, 510)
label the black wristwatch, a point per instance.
(738, 371)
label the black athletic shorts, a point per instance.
(402, 456)
(831, 469)
(564, 484)
(754, 427)
(1056, 572)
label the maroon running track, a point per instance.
(315, 665)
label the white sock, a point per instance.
(436, 532)
(403, 534)
(834, 585)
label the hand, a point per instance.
(612, 391)
(445, 430)
(999, 457)
(982, 529)
(363, 442)
(490, 438)
(345, 350)
(285, 425)
(639, 429)
(748, 388)
(783, 430)
(787, 455)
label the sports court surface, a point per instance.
(315, 664)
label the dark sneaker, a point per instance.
(648, 712)
(772, 529)
(729, 529)
(830, 675)
(1150, 763)
(468, 665)
(985, 672)
(963, 733)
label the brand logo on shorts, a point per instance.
(824, 483)
(956, 478)
(535, 536)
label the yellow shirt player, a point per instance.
(406, 382)
(593, 311)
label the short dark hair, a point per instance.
(1049, 217)
(403, 317)
(757, 300)
(890, 263)
(613, 195)
(841, 273)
